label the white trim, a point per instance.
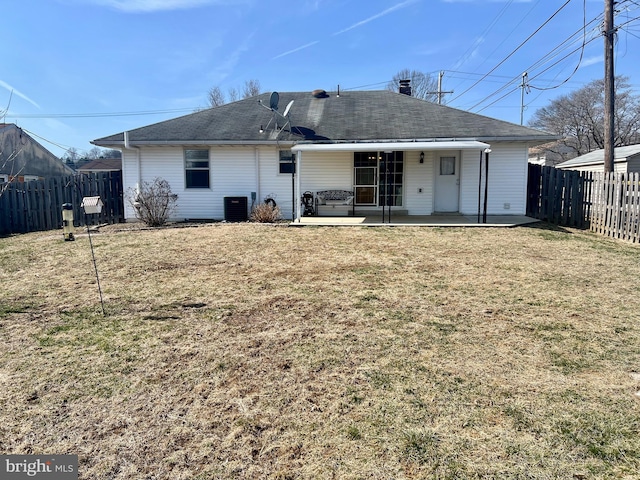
(381, 146)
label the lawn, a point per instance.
(256, 351)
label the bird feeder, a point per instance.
(92, 205)
(67, 221)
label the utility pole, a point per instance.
(609, 86)
(524, 86)
(439, 92)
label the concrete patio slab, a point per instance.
(504, 221)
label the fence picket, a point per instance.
(31, 206)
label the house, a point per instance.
(625, 160)
(385, 148)
(101, 165)
(551, 154)
(23, 159)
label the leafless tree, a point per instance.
(251, 88)
(217, 97)
(7, 155)
(423, 85)
(579, 118)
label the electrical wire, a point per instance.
(516, 49)
(66, 148)
(99, 115)
(553, 53)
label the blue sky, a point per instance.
(84, 69)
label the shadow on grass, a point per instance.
(547, 227)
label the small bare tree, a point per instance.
(216, 97)
(423, 85)
(153, 203)
(7, 155)
(7, 164)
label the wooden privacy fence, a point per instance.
(615, 210)
(559, 196)
(605, 203)
(37, 205)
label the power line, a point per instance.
(517, 48)
(98, 115)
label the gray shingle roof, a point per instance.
(620, 154)
(352, 116)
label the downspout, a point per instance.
(127, 146)
(256, 154)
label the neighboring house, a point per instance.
(101, 165)
(625, 160)
(550, 154)
(385, 147)
(23, 159)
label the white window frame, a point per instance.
(284, 158)
(188, 168)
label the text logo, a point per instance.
(49, 467)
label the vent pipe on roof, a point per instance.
(405, 87)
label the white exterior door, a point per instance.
(447, 187)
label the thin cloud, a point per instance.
(224, 69)
(592, 61)
(295, 50)
(147, 6)
(375, 17)
(18, 93)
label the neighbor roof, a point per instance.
(620, 154)
(102, 164)
(348, 117)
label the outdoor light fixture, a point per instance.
(421, 157)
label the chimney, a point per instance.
(405, 87)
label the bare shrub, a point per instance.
(265, 213)
(154, 203)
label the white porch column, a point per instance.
(297, 191)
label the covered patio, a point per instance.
(502, 221)
(408, 188)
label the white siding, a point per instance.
(507, 188)
(239, 171)
(618, 167)
(326, 171)
(129, 180)
(272, 182)
(232, 173)
(418, 176)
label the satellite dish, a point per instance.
(273, 101)
(286, 110)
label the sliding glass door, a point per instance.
(378, 178)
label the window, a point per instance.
(287, 162)
(4, 178)
(30, 178)
(365, 166)
(391, 179)
(378, 178)
(196, 164)
(447, 165)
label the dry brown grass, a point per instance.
(255, 351)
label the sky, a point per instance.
(77, 70)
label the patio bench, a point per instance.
(334, 203)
